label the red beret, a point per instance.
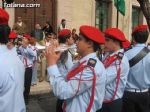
(92, 33)
(64, 32)
(26, 36)
(4, 17)
(126, 44)
(140, 28)
(115, 33)
(12, 35)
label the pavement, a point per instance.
(41, 98)
(42, 103)
(41, 88)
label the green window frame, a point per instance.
(136, 16)
(102, 14)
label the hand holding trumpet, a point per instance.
(53, 54)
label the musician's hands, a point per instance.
(77, 57)
(51, 55)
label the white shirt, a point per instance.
(67, 89)
(19, 23)
(11, 81)
(111, 74)
(139, 74)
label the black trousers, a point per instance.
(59, 105)
(149, 99)
(135, 102)
(27, 83)
(114, 106)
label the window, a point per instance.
(137, 16)
(102, 14)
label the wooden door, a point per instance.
(39, 15)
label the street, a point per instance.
(42, 103)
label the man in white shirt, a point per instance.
(11, 72)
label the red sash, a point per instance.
(107, 62)
(73, 73)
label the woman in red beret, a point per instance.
(65, 62)
(117, 68)
(11, 43)
(83, 87)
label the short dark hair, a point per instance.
(141, 36)
(63, 20)
(96, 46)
(115, 40)
(4, 33)
(48, 22)
(64, 38)
(47, 34)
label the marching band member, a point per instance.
(32, 42)
(27, 55)
(117, 68)
(11, 72)
(83, 87)
(11, 43)
(136, 92)
(65, 62)
(126, 45)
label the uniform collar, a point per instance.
(73, 46)
(140, 45)
(3, 48)
(120, 50)
(91, 55)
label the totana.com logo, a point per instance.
(14, 5)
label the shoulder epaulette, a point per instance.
(92, 62)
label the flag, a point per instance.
(120, 5)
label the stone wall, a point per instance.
(82, 12)
(76, 12)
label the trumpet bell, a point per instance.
(39, 47)
(61, 48)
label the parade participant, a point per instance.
(65, 62)
(32, 42)
(74, 35)
(11, 72)
(11, 43)
(136, 95)
(18, 44)
(148, 45)
(27, 56)
(126, 44)
(83, 87)
(117, 68)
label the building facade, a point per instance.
(99, 13)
